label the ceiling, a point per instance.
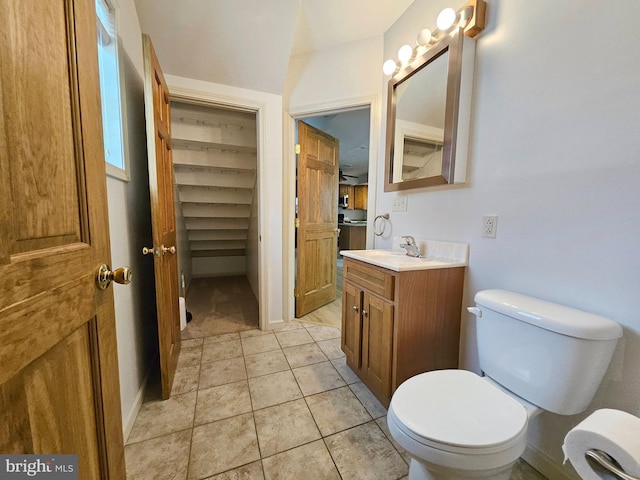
(247, 43)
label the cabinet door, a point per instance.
(377, 342)
(360, 193)
(352, 325)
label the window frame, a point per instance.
(112, 170)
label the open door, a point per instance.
(59, 387)
(317, 219)
(163, 220)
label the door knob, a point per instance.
(120, 275)
(170, 249)
(364, 313)
(355, 308)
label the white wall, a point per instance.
(182, 244)
(253, 244)
(555, 153)
(130, 228)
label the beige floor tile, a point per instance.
(291, 325)
(162, 458)
(252, 471)
(337, 410)
(523, 471)
(189, 356)
(345, 371)
(382, 423)
(320, 333)
(293, 337)
(220, 446)
(370, 402)
(221, 372)
(272, 389)
(225, 337)
(224, 401)
(310, 461)
(161, 417)
(260, 343)
(331, 348)
(221, 350)
(364, 453)
(255, 332)
(301, 355)
(265, 363)
(284, 426)
(318, 378)
(186, 380)
(194, 342)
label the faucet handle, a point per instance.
(409, 239)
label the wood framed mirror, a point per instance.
(428, 116)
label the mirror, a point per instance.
(427, 106)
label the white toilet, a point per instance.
(535, 356)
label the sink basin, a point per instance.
(399, 261)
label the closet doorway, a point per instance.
(217, 216)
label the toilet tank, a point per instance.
(551, 355)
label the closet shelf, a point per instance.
(186, 144)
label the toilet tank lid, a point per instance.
(550, 316)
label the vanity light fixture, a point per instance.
(471, 17)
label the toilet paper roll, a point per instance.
(613, 432)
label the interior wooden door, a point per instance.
(163, 220)
(59, 387)
(317, 219)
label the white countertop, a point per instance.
(438, 255)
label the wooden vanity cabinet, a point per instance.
(398, 324)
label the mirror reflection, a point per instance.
(420, 115)
(422, 118)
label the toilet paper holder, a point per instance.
(608, 463)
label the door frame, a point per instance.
(289, 180)
(206, 97)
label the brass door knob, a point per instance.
(120, 275)
(170, 249)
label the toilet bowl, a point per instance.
(456, 424)
(535, 356)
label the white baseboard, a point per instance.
(546, 466)
(128, 422)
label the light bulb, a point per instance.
(446, 18)
(424, 37)
(389, 67)
(405, 53)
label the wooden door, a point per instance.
(317, 219)
(59, 387)
(163, 221)
(377, 345)
(352, 325)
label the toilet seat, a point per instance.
(458, 412)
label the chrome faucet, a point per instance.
(410, 246)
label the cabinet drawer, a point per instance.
(374, 279)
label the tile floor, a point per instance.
(267, 405)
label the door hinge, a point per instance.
(296, 223)
(297, 149)
(295, 292)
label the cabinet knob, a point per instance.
(355, 308)
(364, 313)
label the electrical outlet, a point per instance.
(400, 203)
(489, 226)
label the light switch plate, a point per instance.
(400, 203)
